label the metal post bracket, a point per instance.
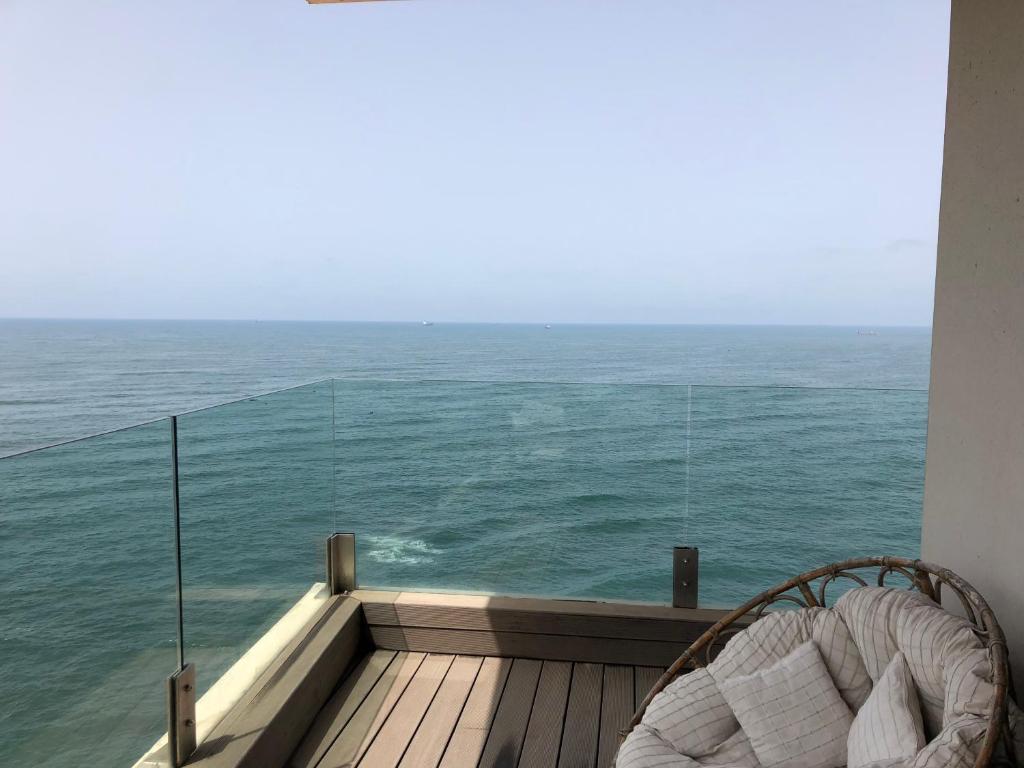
(341, 563)
(685, 571)
(181, 714)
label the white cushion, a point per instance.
(947, 660)
(691, 715)
(776, 635)
(871, 614)
(837, 648)
(957, 746)
(792, 712)
(734, 752)
(888, 727)
(644, 748)
(768, 640)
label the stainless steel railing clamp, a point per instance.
(685, 572)
(341, 563)
(181, 714)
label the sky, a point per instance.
(634, 161)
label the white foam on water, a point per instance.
(392, 549)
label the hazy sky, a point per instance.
(494, 160)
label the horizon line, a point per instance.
(462, 322)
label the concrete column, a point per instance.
(974, 480)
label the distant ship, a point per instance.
(547, 327)
(427, 322)
(867, 333)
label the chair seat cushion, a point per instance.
(645, 748)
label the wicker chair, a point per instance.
(925, 577)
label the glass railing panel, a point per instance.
(783, 480)
(255, 480)
(88, 615)
(569, 490)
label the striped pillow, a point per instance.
(957, 746)
(889, 725)
(792, 712)
(776, 635)
(644, 748)
(691, 715)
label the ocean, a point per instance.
(518, 459)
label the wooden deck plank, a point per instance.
(616, 709)
(544, 733)
(582, 718)
(646, 677)
(405, 717)
(339, 709)
(505, 741)
(358, 734)
(467, 741)
(428, 745)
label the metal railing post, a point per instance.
(685, 573)
(341, 563)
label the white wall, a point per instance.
(974, 484)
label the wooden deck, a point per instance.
(379, 679)
(404, 709)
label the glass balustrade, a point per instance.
(564, 490)
(582, 490)
(783, 480)
(255, 484)
(88, 623)
(548, 489)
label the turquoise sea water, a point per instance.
(772, 449)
